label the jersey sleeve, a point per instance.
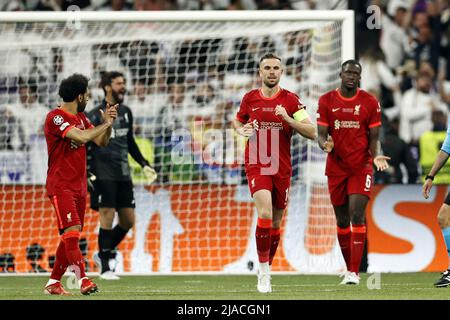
(297, 109)
(58, 125)
(322, 112)
(243, 115)
(374, 113)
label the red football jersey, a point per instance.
(348, 121)
(270, 147)
(66, 166)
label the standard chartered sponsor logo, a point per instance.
(271, 125)
(346, 124)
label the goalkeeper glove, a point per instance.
(90, 180)
(150, 174)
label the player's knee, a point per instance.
(343, 223)
(359, 218)
(276, 223)
(342, 220)
(127, 225)
(265, 213)
(444, 217)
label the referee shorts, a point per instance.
(112, 194)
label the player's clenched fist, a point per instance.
(281, 111)
(110, 114)
(246, 130)
(328, 145)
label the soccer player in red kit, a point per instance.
(268, 116)
(348, 122)
(67, 130)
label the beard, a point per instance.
(116, 96)
(81, 105)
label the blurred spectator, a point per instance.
(11, 132)
(402, 160)
(377, 77)
(155, 5)
(319, 5)
(144, 103)
(242, 60)
(116, 5)
(417, 107)
(394, 38)
(425, 44)
(30, 112)
(444, 88)
(170, 118)
(203, 4)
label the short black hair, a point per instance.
(71, 87)
(108, 77)
(351, 61)
(269, 56)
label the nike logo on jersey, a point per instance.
(335, 109)
(254, 109)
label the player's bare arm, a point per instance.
(379, 160)
(246, 130)
(304, 127)
(325, 141)
(440, 161)
(84, 136)
(111, 111)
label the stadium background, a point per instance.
(177, 229)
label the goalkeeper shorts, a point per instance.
(112, 194)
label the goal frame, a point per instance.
(346, 16)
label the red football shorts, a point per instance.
(342, 186)
(70, 209)
(279, 187)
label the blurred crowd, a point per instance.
(404, 59)
(117, 5)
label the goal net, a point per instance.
(186, 74)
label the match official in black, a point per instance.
(109, 173)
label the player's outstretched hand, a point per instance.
(110, 113)
(381, 162)
(150, 174)
(247, 130)
(328, 145)
(427, 185)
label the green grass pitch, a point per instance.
(235, 287)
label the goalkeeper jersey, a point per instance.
(111, 162)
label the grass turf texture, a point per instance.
(232, 287)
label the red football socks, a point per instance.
(263, 239)
(61, 263)
(344, 237)
(274, 240)
(73, 253)
(357, 244)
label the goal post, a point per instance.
(186, 73)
